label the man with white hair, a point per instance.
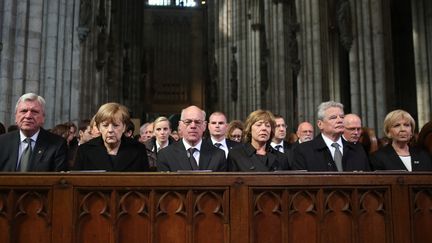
(191, 153)
(328, 151)
(31, 148)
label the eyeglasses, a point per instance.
(187, 122)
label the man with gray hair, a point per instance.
(328, 151)
(31, 148)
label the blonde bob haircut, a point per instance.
(111, 112)
(393, 117)
(254, 117)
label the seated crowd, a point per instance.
(259, 144)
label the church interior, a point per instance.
(159, 56)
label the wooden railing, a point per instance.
(216, 207)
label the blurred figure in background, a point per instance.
(235, 130)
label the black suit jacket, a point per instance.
(93, 155)
(49, 152)
(244, 158)
(315, 156)
(174, 158)
(386, 158)
(230, 143)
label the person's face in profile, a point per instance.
(29, 117)
(112, 132)
(332, 124)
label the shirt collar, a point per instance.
(223, 141)
(188, 146)
(329, 142)
(273, 144)
(34, 137)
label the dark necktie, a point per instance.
(218, 145)
(192, 159)
(278, 148)
(26, 155)
(337, 156)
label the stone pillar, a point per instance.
(37, 38)
(422, 40)
(368, 71)
(310, 91)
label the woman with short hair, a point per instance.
(112, 151)
(398, 154)
(256, 154)
(161, 139)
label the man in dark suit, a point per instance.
(191, 153)
(328, 151)
(31, 148)
(278, 141)
(217, 127)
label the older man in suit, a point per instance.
(31, 148)
(328, 151)
(217, 127)
(191, 153)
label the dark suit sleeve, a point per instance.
(162, 161)
(376, 161)
(232, 165)
(222, 161)
(299, 160)
(80, 158)
(61, 158)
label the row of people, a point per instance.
(263, 147)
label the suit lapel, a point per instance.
(13, 159)
(39, 150)
(181, 156)
(271, 160)
(205, 156)
(393, 156)
(321, 146)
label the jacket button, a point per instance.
(252, 168)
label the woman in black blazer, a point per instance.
(256, 154)
(399, 155)
(112, 151)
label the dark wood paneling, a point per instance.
(216, 207)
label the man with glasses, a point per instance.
(352, 128)
(190, 153)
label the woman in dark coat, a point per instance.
(256, 154)
(399, 155)
(112, 151)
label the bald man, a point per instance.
(191, 153)
(352, 128)
(305, 132)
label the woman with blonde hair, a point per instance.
(256, 154)
(161, 139)
(398, 154)
(112, 151)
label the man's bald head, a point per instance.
(352, 128)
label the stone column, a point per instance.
(368, 70)
(310, 91)
(37, 38)
(422, 40)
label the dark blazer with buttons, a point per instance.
(244, 158)
(386, 158)
(131, 156)
(174, 158)
(49, 152)
(315, 156)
